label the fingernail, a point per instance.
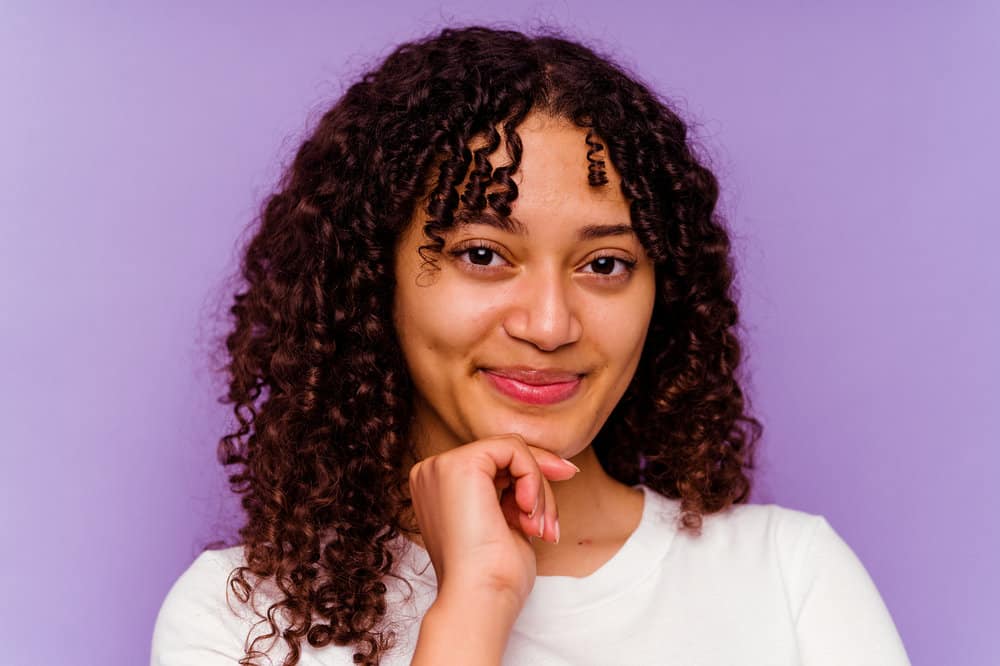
(570, 464)
(557, 530)
(533, 510)
(541, 527)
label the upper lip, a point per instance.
(536, 376)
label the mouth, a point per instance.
(535, 386)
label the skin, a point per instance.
(536, 299)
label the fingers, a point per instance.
(551, 517)
(519, 474)
(511, 513)
(501, 482)
(532, 526)
(510, 453)
(526, 496)
(554, 467)
(517, 519)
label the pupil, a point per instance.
(483, 254)
(604, 265)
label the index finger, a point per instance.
(524, 463)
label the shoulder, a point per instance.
(803, 545)
(204, 621)
(766, 548)
(200, 619)
(749, 532)
(764, 520)
(831, 600)
(793, 544)
(793, 541)
(202, 587)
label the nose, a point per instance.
(542, 312)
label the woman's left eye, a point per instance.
(606, 266)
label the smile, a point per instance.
(533, 390)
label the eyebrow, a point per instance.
(512, 225)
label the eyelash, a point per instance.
(464, 249)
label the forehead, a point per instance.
(555, 201)
(555, 166)
(552, 179)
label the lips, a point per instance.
(537, 386)
(536, 376)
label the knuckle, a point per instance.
(454, 462)
(520, 443)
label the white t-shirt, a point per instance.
(762, 585)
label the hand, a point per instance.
(479, 543)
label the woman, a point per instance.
(484, 371)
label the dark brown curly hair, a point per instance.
(316, 377)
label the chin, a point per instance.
(544, 431)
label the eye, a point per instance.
(606, 266)
(478, 254)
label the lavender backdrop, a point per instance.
(857, 151)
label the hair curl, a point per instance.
(316, 377)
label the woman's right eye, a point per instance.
(478, 255)
(481, 256)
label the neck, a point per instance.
(595, 511)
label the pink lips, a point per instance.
(534, 386)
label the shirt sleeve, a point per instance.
(842, 619)
(195, 625)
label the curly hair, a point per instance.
(316, 377)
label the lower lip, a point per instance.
(544, 394)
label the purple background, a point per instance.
(857, 150)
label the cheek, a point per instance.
(443, 320)
(619, 328)
(621, 339)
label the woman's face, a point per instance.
(534, 326)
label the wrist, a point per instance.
(467, 627)
(499, 604)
